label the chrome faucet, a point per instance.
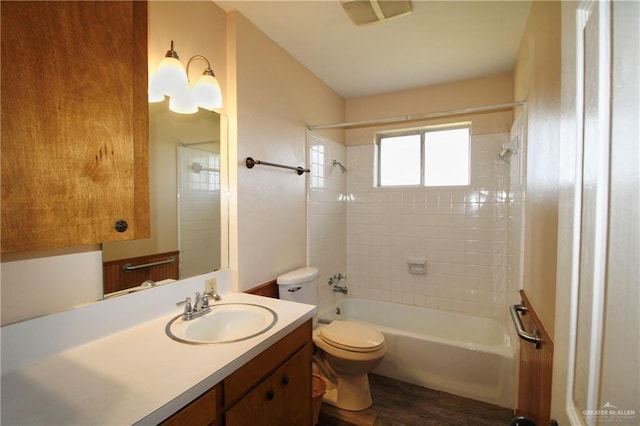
(199, 302)
(340, 289)
(200, 305)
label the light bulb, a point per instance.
(171, 78)
(183, 103)
(154, 96)
(207, 92)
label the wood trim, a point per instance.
(268, 289)
(536, 370)
(115, 278)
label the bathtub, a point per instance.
(446, 351)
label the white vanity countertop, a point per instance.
(138, 375)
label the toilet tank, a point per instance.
(300, 285)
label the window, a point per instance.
(433, 156)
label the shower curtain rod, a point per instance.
(417, 116)
(188, 144)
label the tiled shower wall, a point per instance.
(327, 214)
(459, 231)
(199, 207)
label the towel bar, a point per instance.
(250, 162)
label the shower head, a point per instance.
(505, 153)
(196, 167)
(337, 163)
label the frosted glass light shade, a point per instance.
(207, 92)
(171, 78)
(154, 96)
(183, 103)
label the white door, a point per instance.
(596, 373)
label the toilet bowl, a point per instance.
(346, 351)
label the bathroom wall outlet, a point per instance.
(211, 285)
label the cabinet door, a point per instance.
(201, 412)
(284, 398)
(292, 383)
(74, 130)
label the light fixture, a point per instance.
(205, 94)
(172, 80)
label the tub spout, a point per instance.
(340, 289)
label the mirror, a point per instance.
(186, 170)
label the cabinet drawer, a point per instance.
(263, 365)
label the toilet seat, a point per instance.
(352, 336)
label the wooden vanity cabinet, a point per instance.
(74, 126)
(274, 388)
(282, 398)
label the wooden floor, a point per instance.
(399, 403)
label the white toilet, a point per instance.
(345, 350)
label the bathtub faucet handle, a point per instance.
(340, 289)
(336, 278)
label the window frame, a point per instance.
(422, 131)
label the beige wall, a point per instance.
(537, 79)
(490, 90)
(274, 99)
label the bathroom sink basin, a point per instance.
(225, 323)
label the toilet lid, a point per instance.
(352, 336)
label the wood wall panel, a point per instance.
(268, 289)
(116, 279)
(534, 390)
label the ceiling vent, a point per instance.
(363, 12)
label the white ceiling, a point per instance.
(439, 42)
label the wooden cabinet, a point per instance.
(74, 126)
(274, 388)
(283, 398)
(205, 410)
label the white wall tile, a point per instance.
(461, 233)
(369, 233)
(326, 215)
